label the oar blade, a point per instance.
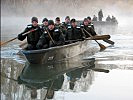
(109, 41)
(102, 47)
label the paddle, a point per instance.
(3, 43)
(102, 47)
(50, 36)
(109, 41)
(101, 37)
(3, 75)
(48, 90)
(100, 70)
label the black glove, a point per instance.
(21, 37)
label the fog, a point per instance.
(18, 13)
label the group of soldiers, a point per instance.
(100, 17)
(50, 33)
(109, 19)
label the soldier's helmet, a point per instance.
(73, 20)
(89, 17)
(45, 19)
(50, 22)
(57, 19)
(34, 19)
(67, 17)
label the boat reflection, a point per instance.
(66, 76)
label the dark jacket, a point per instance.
(33, 37)
(65, 25)
(56, 35)
(89, 29)
(61, 29)
(74, 33)
(43, 28)
(92, 25)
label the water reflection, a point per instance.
(53, 77)
(42, 81)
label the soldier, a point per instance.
(74, 32)
(51, 37)
(60, 26)
(45, 24)
(108, 19)
(32, 37)
(90, 23)
(94, 18)
(66, 23)
(100, 15)
(114, 19)
(57, 22)
(88, 28)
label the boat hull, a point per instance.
(55, 54)
(100, 23)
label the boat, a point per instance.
(102, 23)
(60, 53)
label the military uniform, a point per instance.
(61, 28)
(43, 27)
(32, 38)
(89, 29)
(45, 40)
(91, 25)
(65, 25)
(74, 33)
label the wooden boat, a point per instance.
(60, 53)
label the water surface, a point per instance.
(105, 75)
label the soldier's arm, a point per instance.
(21, 37)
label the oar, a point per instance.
(50, 37)
(3, 43)
(48, 90)
(100, 37)
(15, 80)
(9, 77)
(102, 47)
(100, 70)
(109, 41)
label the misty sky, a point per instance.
(121, 9)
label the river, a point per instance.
(105, 75)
